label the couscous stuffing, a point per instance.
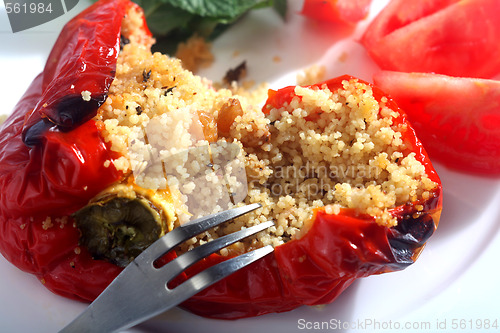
(194, 149)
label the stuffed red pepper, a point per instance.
(112, 147)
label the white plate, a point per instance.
(452, 287)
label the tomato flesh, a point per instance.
(349, 11)
(457, 119)
(452, 37)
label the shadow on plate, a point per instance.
(465, 198)
(330, 316)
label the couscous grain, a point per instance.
(201, 150)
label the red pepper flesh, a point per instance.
(52, 156)
(337, 250)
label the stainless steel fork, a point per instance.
(141, 292)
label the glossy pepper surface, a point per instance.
(52, 162)
(52, 156)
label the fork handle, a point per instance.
(119, 307)
(110, 312)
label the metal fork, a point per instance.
(140, 291)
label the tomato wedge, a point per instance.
(457, 119)
(349, 11)
(452, 37)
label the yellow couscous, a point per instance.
(193, 149)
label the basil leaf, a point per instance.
(166, 18)
(280, 6)
(222, 9)
(174, 21)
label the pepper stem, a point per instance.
(118, 229)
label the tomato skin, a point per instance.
(463, 32)
(457, 119)
(347, 11)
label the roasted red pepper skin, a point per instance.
(63, 167)
(52, 156)
(335, 251)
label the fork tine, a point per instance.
(217, 272)
(190, 230)
(128, 305)
(176, 266)
(140, 291)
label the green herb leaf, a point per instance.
(281, 7)
(174, 21)
(221, 9)
(166, 18)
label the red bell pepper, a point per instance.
(337, 249)
(52, 164)
(52, 156)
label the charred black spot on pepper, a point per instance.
(72, 110)
(146, 75)
(34, 134)
(138, 110)
(66, 114)
(409, 236)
